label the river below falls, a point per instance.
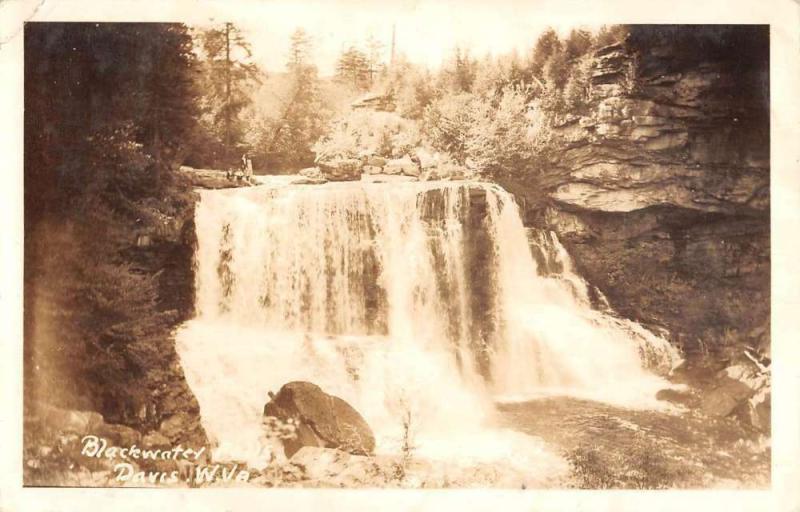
(612, 447)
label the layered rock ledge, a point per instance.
(659, 188)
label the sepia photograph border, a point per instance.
(783, 17)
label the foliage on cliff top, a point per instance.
(495, 115)
(384, 134)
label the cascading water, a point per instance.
(418, 298)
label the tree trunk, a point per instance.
(228, 93)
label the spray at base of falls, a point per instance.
(418, 298)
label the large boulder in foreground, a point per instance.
(739, 389)
(321, 419)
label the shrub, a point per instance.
(366, 132)
(638, 465)
(485, 135)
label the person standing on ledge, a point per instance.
(248, 170)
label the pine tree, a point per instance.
(285, 142)
(97, 169)
(578, 43)
(352, 67)
(546, 46)
(374, 64)
(300, 48)
(228, 77)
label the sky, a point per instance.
(427, 31)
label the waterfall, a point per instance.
(427, 298)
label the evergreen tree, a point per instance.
(578, 43)
(227, 81)
(299, 49)
(98, 169)
(610, 34)
(546, 46)
(353, 68)
(374, 64)
(285, 141)
(459, 74)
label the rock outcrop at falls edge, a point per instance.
(660, 187)
(319, 419)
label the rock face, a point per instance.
(321, 419)
(659, 188)
(743, 391)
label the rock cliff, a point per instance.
(659, 187)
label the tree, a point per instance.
(459, 73)
(487, 136)
(285, 141)
(98, 169)
(374, 64)
(608, 35)
(416, 94)
(547, 45)
(299, 49)
(227, 80)
(578, 43)
(353, 67)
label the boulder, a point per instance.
(762, 407)
(78, 422)
(427, 160)
(346, 169)
(176, 426)
(310, 176)
(373, 169)
(119, 435)
(337, 468)
(685, 398)
(376, 161)
(725, 397)
(308, 181)
(755, 413)
(445, 171)
(322, 420)
(156, 440)
(404, 166)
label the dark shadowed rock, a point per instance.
(685, 398)
(119, 435)
(348, 169)
(322, 420)
(723, 400)
(156, 440)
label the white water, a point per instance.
(395, 298)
